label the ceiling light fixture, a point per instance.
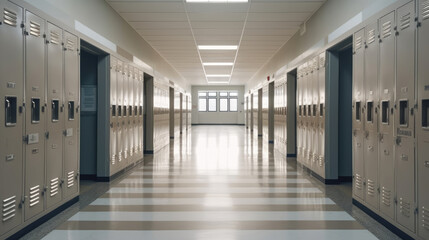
(223, 82)
(217, 1)
(217, 75)
(217, 47)
(218, 64)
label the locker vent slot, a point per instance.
(321, 112)
(55, 110)
(371, 36)
(54, 186)
(125, 111)
(34, 195)
(425, 10)
(130, 111)
(135, 111)
(404, 207)
(386, 196)
(34, 29)
(314, 110)
(140, 111)
(10, 17)
(385, 112)
(403, 113)
(358, 43)
(70, 44)
(35, 110)
(321, 161)
(309, 110)
(405, 21)
(113, 110)
(369, 114)
(10, 111)
(55, 37)
(9, 208)
(387, 29)
(300, 110)
(358, 182)
(71, 110)
(358, 111)
(119, 111)
(425, 113)
(70, 179)
(371, 188)
(425, 218)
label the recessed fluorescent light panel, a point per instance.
(217, 1)
(217, 75)
(217, 47)
(218, 64)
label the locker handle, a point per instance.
(426, 164)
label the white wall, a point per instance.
(217, 117)
(101, 18)
(332, 17)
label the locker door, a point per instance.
(321, 111)
(141, 110)
(315, 112)
(422, 128)
(113, 113)
(130, 114)
(387, 94)
(136, 114)
(298, 113)
(11, 118)
(125, 116)
(71, 114)
(35, 115)
(251, 112)
(358, 118)
(55, 117)
(371, 123)
(120, 106)
(265, 113)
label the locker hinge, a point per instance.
(44, 35)
(378, 190)
(25, 139)
(25, 33)
(22, 25)
(395, 200)
(21, 204)
(412, 111)
(416, 211)
(47, 135)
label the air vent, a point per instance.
(70, 44)
(425, 218)
(54, 186)
(321, 161)
(34, 195)
(387, 29)
(10, 17)
(8, 208)
(358, 43)
(386, 197)
(34, 29)
(70, 179)
(371, 36)
(113, 159)
(404, 207)
(425, 10)
(405, 21)
(371, 188)
(55, 37)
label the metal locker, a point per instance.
(315, 114)
(113, 115)
(299, 114)
(71, 114)
(141, 110)
(358, 113)
(35, 99)
(181, 111)
(422, 127)
(189, 111)
(371, 110)
(176, 113)
(321, 113)
(55, 116)
(11, 116)
(136, 114)
(308, 114)
(387, 95)
(265, 120)
(130, 115)
(125, 116)
(260, 112)
(119, 112)
(255, 113)
(251, 112)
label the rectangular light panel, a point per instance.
(217, 47)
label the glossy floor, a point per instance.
(215, 183)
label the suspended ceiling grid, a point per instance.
(174, 28)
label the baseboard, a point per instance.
(345, 179)
(320, 178)
(382, 221)
(92, 177)
(216, 124)
(291, 155)
(148, 151)
(43, 219)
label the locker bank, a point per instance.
(226, 119)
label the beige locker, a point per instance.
(113, 115)
(321, 115)
(120, 110)
(141, 110)
(422, 127)
(55, 117)
(315, 115)
(35, 115)
(11, 116)
(358, 114)
(136, 115)
(387, 95)
(125, 116)
(371, 124)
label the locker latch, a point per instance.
(47, 135)
(398, 141)
(426, 164)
